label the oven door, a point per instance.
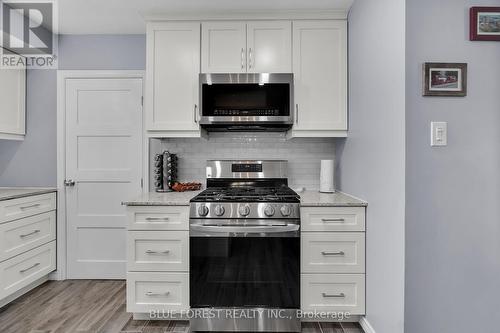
(244, 266)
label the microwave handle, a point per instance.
(296, 113)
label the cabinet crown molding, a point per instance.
(328, 14)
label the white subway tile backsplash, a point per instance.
(303, 154)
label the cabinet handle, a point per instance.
(326, 253)
(150, 293)
(242, 61)
(30, 206)
(195, 113)
(157, 252)
(156, 218)
(296, 113)
(250, 58)
(325, 295)
(31, 267)
(333, 220)
(29, 234)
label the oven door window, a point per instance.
(245, 272)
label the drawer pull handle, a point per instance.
(156, 218)
(152, 294)
(326, 253)
(334, 220)
(31, 267)
(31, 233)
(157, 252)
(30, 206)
(341, 295)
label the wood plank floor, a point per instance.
(98, 306)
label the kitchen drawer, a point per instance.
(25, 234)
(158, 218)
(158, 251)
(21, 270)
(148, 291)
(333, 293)
(333, 252)
(26, 206)
(332, 218)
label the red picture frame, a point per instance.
(483, 13)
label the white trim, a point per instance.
(367, 327)
(6, 136)
(331, 14)
(63, 75)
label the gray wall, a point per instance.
(453, 192)
(373, 156)
(32, 162)
(303, 154)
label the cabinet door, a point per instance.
(12, 97)
(223, 47)
(172, 77)
(320, 70)
(269, 46)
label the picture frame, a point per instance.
(445, 79)
(484, 24)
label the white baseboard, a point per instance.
(366, 325)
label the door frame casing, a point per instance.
(62, 76)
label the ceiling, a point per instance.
(127, 16)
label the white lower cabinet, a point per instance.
(333, 260)
(27, 243)
(19, 271)
(158, 251)
(157, 291)
(333, 252)
(157, 258)
(333, 293)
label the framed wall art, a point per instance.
(445, 79)
(485, 23)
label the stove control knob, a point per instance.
(244, 210)
(219, 210)
(203, 210)
(285, 210)
(269, 210)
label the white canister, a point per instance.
(327, 176)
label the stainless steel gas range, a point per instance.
(245, 249)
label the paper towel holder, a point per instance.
(327, 176)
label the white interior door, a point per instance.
(104, 159)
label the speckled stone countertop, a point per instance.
(337, 199)
(163, 199)
(307, 198)
(7, 193)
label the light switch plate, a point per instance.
(439, 133)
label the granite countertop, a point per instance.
(163, 199)
(308, 198)
(7, 193)
(340, 199)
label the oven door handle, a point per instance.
(248, 229)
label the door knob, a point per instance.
(69, 182)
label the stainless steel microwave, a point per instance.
(246, 102)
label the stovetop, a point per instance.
(247, 194)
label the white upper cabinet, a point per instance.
(12, 103)
(241, 47)
(269, 46)
(320, 73)
(223, 47)
(173, 67)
